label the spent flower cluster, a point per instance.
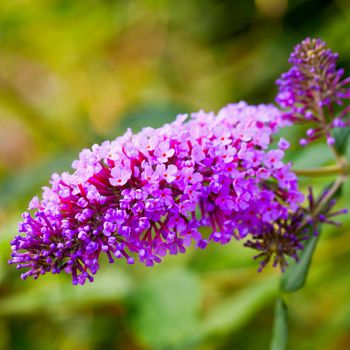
(284, 237)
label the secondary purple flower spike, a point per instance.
(148, 194)
(312, 87)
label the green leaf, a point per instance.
(24, 184)
(153, 115)
(55, 294)
(238, 309)
(164, 311)
(280, 327)
(295, 276)
(341, 136)
(309, 157)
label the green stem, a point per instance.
(342, 167)
(336, 185)
(332, 190)
(339, 159)
(317, 172)
(280, 326)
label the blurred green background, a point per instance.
(76, 72)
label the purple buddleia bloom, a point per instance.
(146, 195)
(312, 88)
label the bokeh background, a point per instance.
(74, 73)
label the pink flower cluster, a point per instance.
(148, 194)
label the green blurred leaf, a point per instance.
(280, 326)
(341, 136)
(235, 311)
(150, 115)
(51, 295)
(25, 183)
(310, 156)
(295, 276)
(165, 309)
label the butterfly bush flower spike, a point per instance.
(203, 178)
(313, 89)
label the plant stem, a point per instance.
(341, 161)
(323, 171)
(336, 185)
(280, 326)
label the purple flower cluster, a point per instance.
(149, 194)
(312, 88)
